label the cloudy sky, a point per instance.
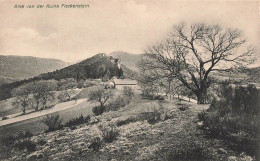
(106, 26)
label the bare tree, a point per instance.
(191, 53)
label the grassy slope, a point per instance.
(36, 126)
(137, 141)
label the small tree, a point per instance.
(67, 85)
(43, 91)
(128, 91)
(22, 97)
(100, 95)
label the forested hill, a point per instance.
(14, 68)
(95, 67)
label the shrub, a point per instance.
(4, 118)
(41, 142)
(98, 110)
(159, 97)
(128, 91)
(192, 150)
(95, 144)
(25, 134)
(126, 121)
(109, 134)
(77, 121)
(73, 127)
(233, 117)
(53, 122)
(116, 104)
(80, 84)
(151, 117)
(26, 144)
(12, 138)
(184, 107)
(202, 115)
(62, 97)
(8, 140)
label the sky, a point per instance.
(72, 34)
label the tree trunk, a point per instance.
(201, 96)
(24, 110)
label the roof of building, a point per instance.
(125, 82)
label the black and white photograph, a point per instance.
(129, 80)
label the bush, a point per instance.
(26, 144)
(25, 134)
(116, 104)
(77, 121)
(128, 91)
(109, 134)
(233, 117)
(12, 138)
(80, 84)
(42, 142)
(95, 144)
(202, 115)
(190, 150)
(8, 140)
(4, 118)
(126, 121)
(53, 121)
(62, 97)
(98, 110)
(151, 117)
(159, 97)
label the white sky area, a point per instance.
(107, 26)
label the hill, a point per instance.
(243, 75)
(15, 68)
(128, 59)
(86, 69)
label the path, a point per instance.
(56, 108)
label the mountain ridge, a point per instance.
(15, 68)
(86, 69)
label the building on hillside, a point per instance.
(120, 83)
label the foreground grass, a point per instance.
(172, 136)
